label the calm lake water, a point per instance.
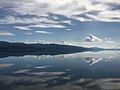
(78, 71)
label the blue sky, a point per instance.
(58, 19)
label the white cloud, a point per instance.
(103, 18)
(47, 26)
(34, 22)
(23, 28)
(9, 19)
(43, 67)
(81, 19)
(108, 1)
(43, 32)
(68, 29)
(110, 14)
(3, 33)
(38, 7)
(67, 22)
(66, 8)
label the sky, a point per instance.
(58, 19)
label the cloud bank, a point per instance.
(27, 15)
(101, 9)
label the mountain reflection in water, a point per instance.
(77, 71)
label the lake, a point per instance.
(98, 70)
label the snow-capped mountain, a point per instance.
(91, 41)
(93, 38)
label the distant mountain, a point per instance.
(21, 49)
(3, 43)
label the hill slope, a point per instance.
(20, 49)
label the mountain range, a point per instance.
(21, 49)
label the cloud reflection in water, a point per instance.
(86, 70)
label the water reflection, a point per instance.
(78, 71)
(89, 57)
